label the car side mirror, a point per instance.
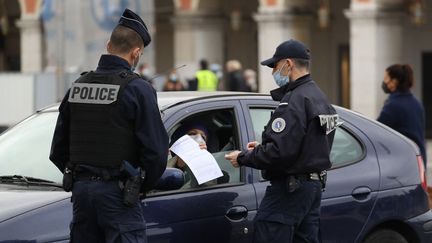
(171, 179)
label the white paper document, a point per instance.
(200, 161)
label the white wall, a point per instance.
(16, 97)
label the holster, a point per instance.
(132, 184)
(68, 178)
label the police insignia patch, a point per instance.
(278, 125)
(329, 122)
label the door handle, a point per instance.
(237, 213)
(361, 193)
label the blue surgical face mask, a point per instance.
(173, 78)
(134, 65)
(279, 79)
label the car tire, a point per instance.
(385, 236)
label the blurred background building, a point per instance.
(44, 45)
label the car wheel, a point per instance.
(385, 236)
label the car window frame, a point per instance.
(176, 113)
(345, 127)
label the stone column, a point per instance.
(198, 34)
(376, 41)
(31, 36)
(278, 21)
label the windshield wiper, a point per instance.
(28, 181)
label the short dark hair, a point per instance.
(403, 73)
(204, 64)
(124, 39)
(301, 63)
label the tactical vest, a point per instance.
(100, 135)
(207, 80)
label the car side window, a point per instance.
(260, 118)
(220, 132)
(346, 148)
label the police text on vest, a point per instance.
(87, 93)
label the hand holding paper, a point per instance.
(200, 161)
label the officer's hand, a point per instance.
(232, 157)
(252, 145)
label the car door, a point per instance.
(352, 185)
(352, 181)
(217, 213)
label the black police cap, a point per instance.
(288, 49)
(132, 20)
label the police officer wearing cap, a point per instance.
(294, 153)
(107, 117)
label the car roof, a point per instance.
(169, 99)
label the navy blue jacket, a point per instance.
(405, 114)
(138, 103)
(299, 135)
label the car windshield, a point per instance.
(24, 149)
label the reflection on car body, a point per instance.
(374, 190)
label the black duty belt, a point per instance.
(85, 172)
(310, 176)
(90, 177)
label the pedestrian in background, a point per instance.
(206, 79)
(145, 71)
(107, 117)
(250, 79)
(173, 82)
(235, 78)
(295, 151)
(402, 111)
(217, 69)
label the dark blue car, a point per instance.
(376, 190)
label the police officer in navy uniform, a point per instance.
(107, 117)
(294, 153)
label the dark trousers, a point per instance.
(286, 217)
(99, 214)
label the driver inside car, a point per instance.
(200, 134)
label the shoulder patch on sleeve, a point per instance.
(278, 125)
(329, 122)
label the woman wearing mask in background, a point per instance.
(402, 111)
(173, 82)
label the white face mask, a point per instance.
(198, 138)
